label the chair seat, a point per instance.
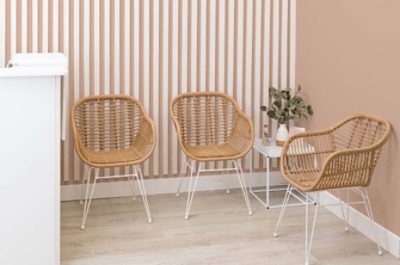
(303, 181)
(122, 157)
(213, 152)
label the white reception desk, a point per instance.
(30, 134)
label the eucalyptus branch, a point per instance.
(286, 107)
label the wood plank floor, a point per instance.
(219, 232)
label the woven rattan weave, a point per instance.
(112, 131)
(211, 126)
(342, 156)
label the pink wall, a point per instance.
(348, 60)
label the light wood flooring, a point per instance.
(219, 232)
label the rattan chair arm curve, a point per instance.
(178, 128)
(322, 173)
(153, 141)
(289, 145)
(304, 135)
(79, 146)
(334, 158)
(250, 125)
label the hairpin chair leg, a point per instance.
(88, 200)
(345, 217)
(284, 205)
(370, 215)
(242, 182)
(185, 165)
(347, 206)
(192, 189)
(227, 182)
(309, 236)
(84, 180)
(133, 185)
(139, 178)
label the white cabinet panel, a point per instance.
(30, 116)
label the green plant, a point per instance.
(286, 107)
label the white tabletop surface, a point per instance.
(271, 150)
(36, 64)
(33, 71)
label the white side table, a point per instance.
(272, 151)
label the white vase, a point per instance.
(282, 135)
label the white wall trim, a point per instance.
(389, 241)
(167, 185)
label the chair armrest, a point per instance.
(305, 153)
(348, 168)
(313, 142)
(146, 138)
(178, 131)
(242, 136)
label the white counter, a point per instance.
(33, 71)
(30, 138)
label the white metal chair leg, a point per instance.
(347, 205)
(368, 208)
(242, 182)
(309, 238)
(88, 201)
(192, 190)
(84, 180)
(143, 192)
(87, 191)
(227, 182)
(182, 175)
(133, 186)
(284, 205)
(345, 217)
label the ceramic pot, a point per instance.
(282, 135)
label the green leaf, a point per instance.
(277, 104)
(271, 114)
(272, 91)
(285, 94)
(286, 106)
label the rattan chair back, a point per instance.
(206, 119)
(108, 124)
(360, 131)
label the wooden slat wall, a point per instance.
(156, 49)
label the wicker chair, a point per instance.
(211, 127)
(112, 131)
(344, 156)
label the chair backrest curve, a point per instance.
(204, 118)
(107, 122)
(361, 131)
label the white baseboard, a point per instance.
(168, 185)
(388, 240)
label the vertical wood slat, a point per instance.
(156, 49)
(2, 31)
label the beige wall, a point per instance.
(156, 49)
(348, 60)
